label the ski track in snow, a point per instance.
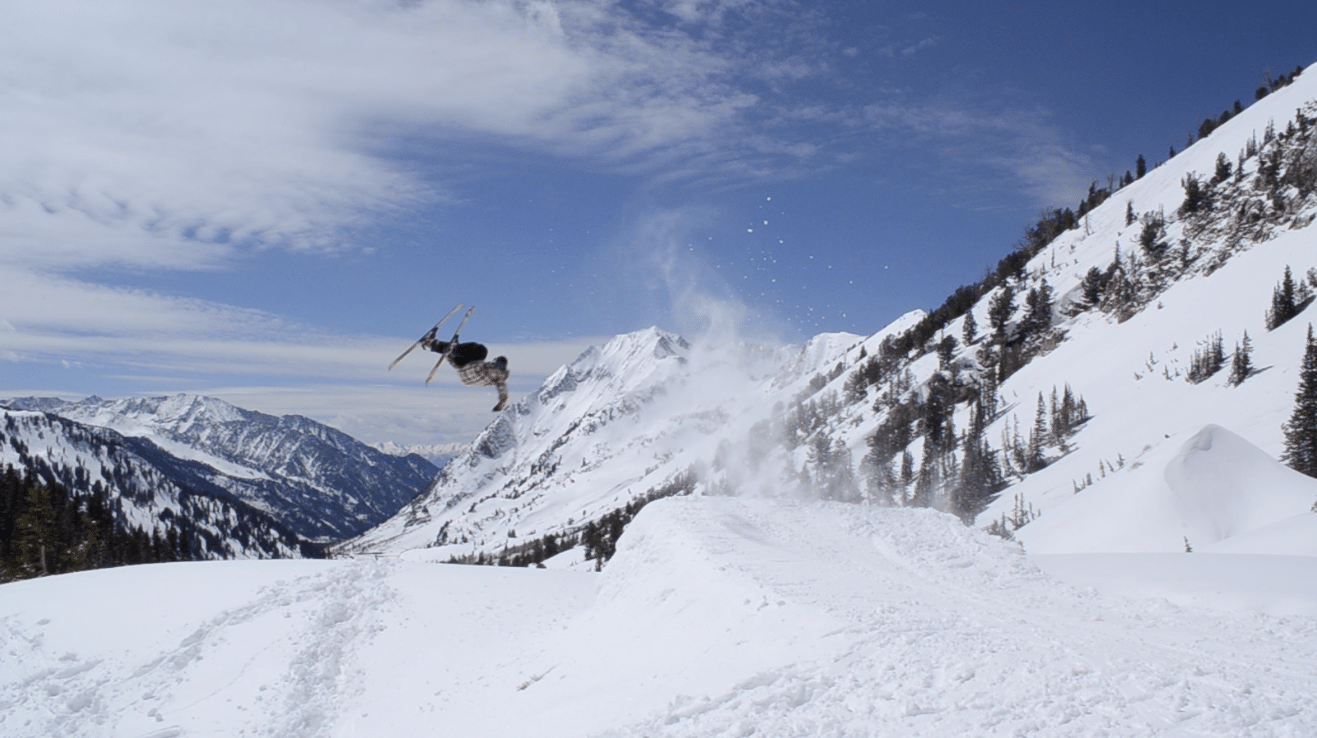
(717, 617)
(278, 665)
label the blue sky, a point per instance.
(267, 200)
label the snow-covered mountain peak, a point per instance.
(624, 365)
(147, 416)
(320, 482)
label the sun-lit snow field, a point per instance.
(718, 616)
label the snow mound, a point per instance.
(1225, 486)
(1216, 490)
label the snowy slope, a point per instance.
(1213, 491)
(320, 483)
(717, 616)
(1147, 416)
(88, 459)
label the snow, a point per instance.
(718, 616)
(1216, 489)
(1276, 584)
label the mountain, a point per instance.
(1085, 385)
(132, 480)
(310, 481)
(438, 454)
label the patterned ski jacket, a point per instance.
(486, 374)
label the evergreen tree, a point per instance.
(980, 480)
(1300, 452)
(969, 331)
(1001, 308)
(1140, 167)
(987, 399)
(907, 474)
(1222, 172)
(1207, 361)
(1195, 197)
(1119, 292)
(1283, 303)
(1057, 433)
(928, 480)
(1035, 459)
(1038, 316)
(34, 542)
(1242, 366)
(1150, 238)
(1092, 286)
(946, 348)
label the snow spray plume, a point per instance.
(761, 449)
(701, 302)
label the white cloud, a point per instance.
(158, 132)
(48, 318)
(918, 46)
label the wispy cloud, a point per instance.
(1015, 144)
(55, 319)
(172, 129)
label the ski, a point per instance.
(451, 343)
(429, 334)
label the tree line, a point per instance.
(46, 529)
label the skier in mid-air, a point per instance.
(472, 369)
(467, 358)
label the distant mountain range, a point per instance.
(436, 453)
(244, 483)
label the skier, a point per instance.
(472, 369)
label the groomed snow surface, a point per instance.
(717, 617)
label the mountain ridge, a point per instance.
(310, 482)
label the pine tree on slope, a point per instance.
(1283, 303)
(1000, 310)
(1242, 366)
(1301, 430)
